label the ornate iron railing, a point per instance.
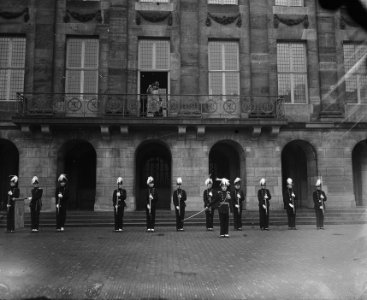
(149, 106)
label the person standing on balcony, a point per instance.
(208, 197)
(13, 193)
(263, 196)
(151, 202)
(35, 204)
(289, 200)
(319, 197)
(62, 197)
(179, 198)
(238, 197)
(118, 199)
(154, 101)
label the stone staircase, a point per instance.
(167, 218)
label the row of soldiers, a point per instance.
(224, 200)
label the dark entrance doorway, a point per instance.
(359, 158)
(153, 159)
(77, 159)
(299, 163)
(225, 161)
(9, 165)
(148, 78)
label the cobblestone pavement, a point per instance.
(251, 264)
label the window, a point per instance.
(235, 2)
(154, 1)
(12, 62)
(82, 65)
(224, 75)
(154, 55)
(289, 2)
(292, 72)
(355, 72)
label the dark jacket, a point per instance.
(317, 201)
(223, 204)
(238, 197)
(261, 197)
(288, 198)
(176, 201)
(208, 197)
(16, 192)
(121, 199)
(36, 201)
(64, 190)
(154, 193)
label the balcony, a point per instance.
(149, 109)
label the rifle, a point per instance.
(179, 202)
(238, 196)
(117, 201)
(292, 202)
(150, 201)
(58, 203)
(265, 201)
(8, 203)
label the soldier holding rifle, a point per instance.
(13, 194)
(118, 199)
(62, 197)
(238, 197)
(289, 200)
(263, 195)
(151, 202)
(208, 197)
(319, 197)
(35, 204)
(179, 198)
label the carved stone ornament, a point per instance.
(14, 15)
(153, 17)
(344, 21)
(223, 20)
(82, 17)
(291, 21)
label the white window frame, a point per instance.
(291, 72)
(223, 2)
(289, 3)
(356, 73)
(82, 67)
(154, 1)
(9, 68)
(223, 70)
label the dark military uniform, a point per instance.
(209, 213)
(61, 211)
(291, 211)
(318, 203)
(120, 202)
(224, 206)
(150, 213)
(238, 197)
(10, 224)
(179, 198)
(36, 205)
(264, 212)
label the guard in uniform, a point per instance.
(62, 197)
(179, 198)
(13, 193)
(35, 204)
(223, 201)
(118, 199)
(319, 197)
(289, 200)
(263, 195)
(238, 197)
(151, 201)
(208, 198)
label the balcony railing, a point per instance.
(149, 106)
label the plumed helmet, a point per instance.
(13, 178)
(119, 180)
(262, 181)
(318, 182)
(35, 180)
(208, 181)
(237, 180)
(289, 181)
(179, 180)
(62, 178)
(150, 179)
(223, 181)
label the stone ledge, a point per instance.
(155, 6)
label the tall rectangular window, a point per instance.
(161, 1)
(289, 2)
(224, 72)
(355, 72)
(292, 72)
(153, 55)
(82, 65)
(234, 2)
(12, 65)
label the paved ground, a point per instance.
(99, 263)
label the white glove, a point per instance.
(293, 195)
(179, 196)
(148, 206)
(266, 196)
(239, 196)
(321, 207)
(29, 198)
(10, 193)
(291, 205)
(150, 196)
(322, 196)
(237, 206)
(118, 194)
(177, 207)
(59, 195)
(8, 205)
(264, 206)
(228, 196)
(206, 208)
(210, 194)
(116, 206)
(57, 206)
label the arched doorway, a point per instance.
(77, 159)
(9, 165)
(153, 159)
(226, 159)
(359, 159)
(299, 162)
